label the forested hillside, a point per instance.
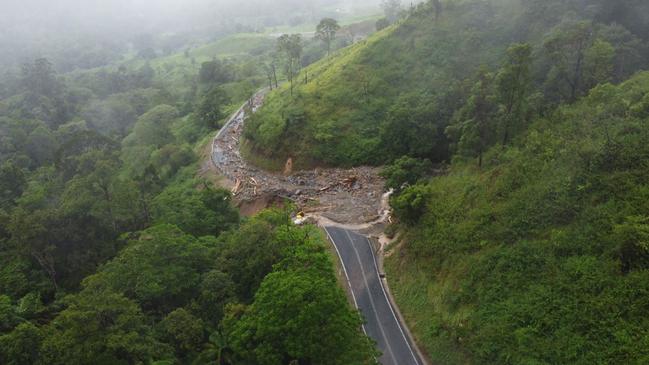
(540, 256)
(114, 249)
(531, 247)
(397, 92)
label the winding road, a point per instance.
(354, 250)
(361, 270)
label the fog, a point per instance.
(33, 28)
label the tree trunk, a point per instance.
(274, 75)
(577, 74)
(47, 264)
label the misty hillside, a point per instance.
(120, 243)
(396, 93)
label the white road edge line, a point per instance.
(414, 357)
(349, 284)
(367, 286)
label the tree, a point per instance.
(598, 63)
(565, 47)
(290, 46)
(114, 115)
(215, 291)
(215, 72)
(210, 109)
(145, 46)
(201, 213)
(270, 67)
(253, 249)
(411, 204)
(21, 346)
(392, 9)
(326, 32)
(12, 183)
(411, 129)
(300, 316)
(8, 315)
(472, 129)
(405, 171)
(184, 331)
(161, 269)
(514, 83)
(39, 78)
(100, 327)
(629, 50)
(153, 127)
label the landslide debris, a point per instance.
(341, 195)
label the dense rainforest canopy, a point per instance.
(116, 249)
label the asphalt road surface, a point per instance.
(361, 270)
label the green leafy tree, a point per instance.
(254, 248)
(300, 315)
(153, 127)
(632, 237)
(12, 183)
(437, 5)
(411, 204)
(22, 345)
(216, 351)
(210, 109)
(566, 48)
(598, 63)
(8, 315)
(290, 46)
(405, 171)
(215, 72)
(326, 32)
(39, 78)
(100, 327)
(184, 331)
(201, 213)
(161, 270)
(215, 291)
(473, 126)
(411, 129)
(514, 85)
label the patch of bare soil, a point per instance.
(352, 196)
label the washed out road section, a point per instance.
(341, 195)
(361, 271)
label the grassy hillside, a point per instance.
(339, 116)
(395, 93)
(541, 256)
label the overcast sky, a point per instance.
(147, 11)
(49, 28)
